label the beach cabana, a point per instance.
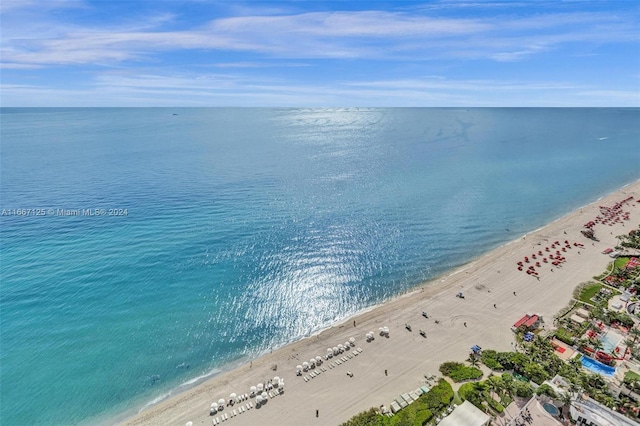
(466, 415)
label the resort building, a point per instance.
(589, 412)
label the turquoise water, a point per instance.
(551, 409)
(610, 341)
(248, 228)
(597, 367)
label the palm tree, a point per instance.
(473, 360)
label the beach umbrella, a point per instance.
(253, 389)
(221, 401)
(305, 366)
(260, 387)
(189, 424)
(335, 350)
(312, 361)
(258, 399)
(214, 405)
(265, 396)
(318, 359)
(298, 367)
(233, 396)
(346, 345)
(352, 341)
(276, 381)
(386, 330)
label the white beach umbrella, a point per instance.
(253, 389)
(214, 405)
(346, 345)
(335, 350)
(221, 401)
(265, 396)
(318, 359)
(352, 341)
(258, 399)
(305, 366)
(276, 379)
(189, 424)
(281, 383)
(260, 387)
(232, 397)
(386, 330)
(312, 361)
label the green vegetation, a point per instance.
(588, 292)
(490, 359)
(630, 241)
(620, 262)
(564, 335)
(632, 380)
(460, 372)
(417, 414)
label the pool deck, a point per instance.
(563, 351)
(538, 414)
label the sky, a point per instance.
(440, 53)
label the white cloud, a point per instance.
(352, 35)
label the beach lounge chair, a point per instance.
(359, 350)
(306, 379)
(234, 413)
(216, 421)
(401, 402)
(250, 404)
(407, 398)
(395, 407)
(349, 356)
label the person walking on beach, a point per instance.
(494, 305)
(465, 324)
(514, 293)
(385, 373)
(317, 413)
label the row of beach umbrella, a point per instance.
(331, 352)
(259, 392)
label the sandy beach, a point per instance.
(492, 279)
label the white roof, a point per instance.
(577, 319)
(598, 414)
(465, 415)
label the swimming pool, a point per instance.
(610, 341)
(597, 367)
(551, 409)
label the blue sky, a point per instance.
(313, 53)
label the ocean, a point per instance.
(142, 249)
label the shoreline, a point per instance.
(473, 277)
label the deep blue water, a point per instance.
(247, 228)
